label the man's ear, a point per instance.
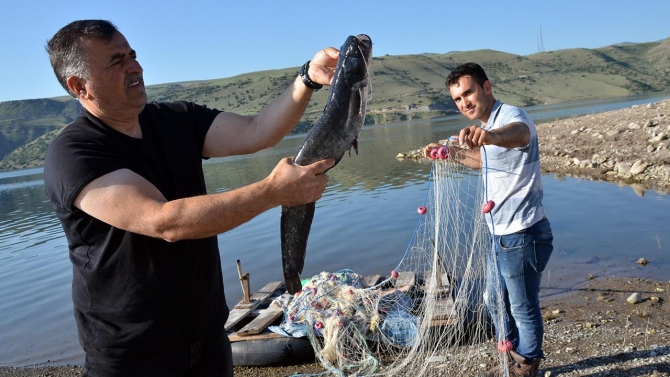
(487, 87)
(77, 86)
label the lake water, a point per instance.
(364, 222)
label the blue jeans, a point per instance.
(209, 358)
(521, 257)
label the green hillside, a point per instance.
(404, 87)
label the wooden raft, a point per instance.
(252, 318)
(259, 312)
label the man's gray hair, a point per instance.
(67, 53)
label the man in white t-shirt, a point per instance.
(505, 147)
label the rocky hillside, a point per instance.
(404, 87)
(628, 145)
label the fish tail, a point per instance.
(296, 222)
(293, 284)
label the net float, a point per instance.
(488, 206)
(505, 345)
(443, 153)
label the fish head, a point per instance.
(364, 45)
(356, 53)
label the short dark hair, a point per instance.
(66, 52)
(473, 70)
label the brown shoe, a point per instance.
(517, 366)
(522, 367)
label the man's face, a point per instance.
(115, 84)
(471, 99)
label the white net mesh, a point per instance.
(428, 318)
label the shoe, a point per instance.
(517, 366)
(522, 367)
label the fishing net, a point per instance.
(427, 317)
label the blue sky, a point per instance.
(200, 40)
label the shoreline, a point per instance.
(629, 146)
(590, 330)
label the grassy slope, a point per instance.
(403, 87)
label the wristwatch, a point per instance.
(304, 76)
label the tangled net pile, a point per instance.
(427, 318)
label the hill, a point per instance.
(404, 87)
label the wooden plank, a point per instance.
(260, 323)
(233, 337)
(263, 294)
(444, 279)
(444, 322)
(444, 309)
(242, 310)
(246, 306)
(267, 291)
(237, 315)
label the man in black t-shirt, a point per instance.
(126, 181)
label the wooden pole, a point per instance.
(244, 280)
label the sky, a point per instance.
(202, 40)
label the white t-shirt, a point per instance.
(512, 177)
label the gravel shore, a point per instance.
(628, 146)
(592, 330)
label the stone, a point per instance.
(611, 133)
(635, 298)
(622, 169)
(638, 167)
(660, 137)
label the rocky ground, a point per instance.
(593, 330)
(590, 331)
(630, 146)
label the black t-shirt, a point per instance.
(134, 295)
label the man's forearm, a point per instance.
(512, 135)
(280, 116)
(209, 215)
(468, 157)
